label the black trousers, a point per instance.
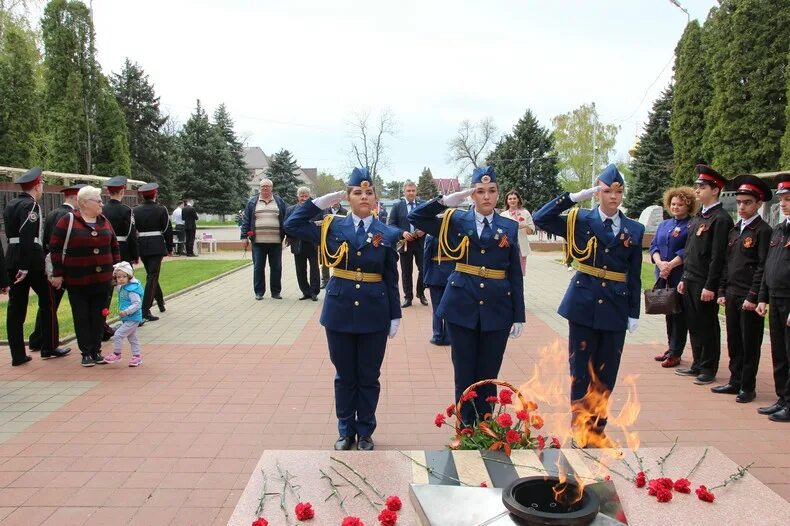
(17, 312)
(744, 339)
(780, 345)
(702, 319)
(86, 309)
(407, 260)
(312, 286)
(153, 265)
(324, 275)
(677, 333)
(180, 235)
(42, 317)
(190, 240)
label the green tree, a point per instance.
(692, 94)
(748, 44)
(326, 183)
(653, 159)
(282, 171)
(583, 145)
(393, 189)
(426, 189)
(112, 144)
(524, 161)
(19, 108)
(785, 161)
(236, 175)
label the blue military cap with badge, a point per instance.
(484, 174)
(611, 177)
(360, 177)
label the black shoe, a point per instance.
(406, 303)
(705, 379)
(192, 255)
(365, 444)
(783, 415)
(87, 361)
(276, 297)
(150, 317)
(56, 353)
(141, 323)
(434, 341)
(23, 362)
(690, 371)
(423, 300)
(259, 297)
(771, 409)
(726, 389)
(34, 349)
(344, 443)
(304, 297)
(744, 397)
(314, 297)
(98, 359)
(161, 307)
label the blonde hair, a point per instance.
(88, 192)
(685, 193)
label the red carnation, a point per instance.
(388, 517)
(105, 312)
(641, 480)
(541, 442)
(492, 399)
(450, 410)
(665, 483)
(250, 233)
(260, 521)
(394, 503)
(504, 420)
(484, 484)
(506, 397)
(352, 521)
(704, 495)
(512, 436)
(304, 511)
(555, 443)
(682, 486)
(439, 420)
(468, 396)
(664, 495)
(467, 431)
(522, 415)
(608, 477)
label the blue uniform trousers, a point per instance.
(596, 349)
(357, 359)
(440, 334)
(477, 355)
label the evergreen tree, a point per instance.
(112, 145)
(524, 161)
(692, 94)
(235, 168)
(784, 163)
(19, 117)
(426, 189)
(747, 115)
(282, 172)
(652, 164)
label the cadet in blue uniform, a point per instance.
(361, 306)
(435, 275)
(484, 299)
(603, 298)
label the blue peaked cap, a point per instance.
(483, 171)
(610, 175)
(358, 176)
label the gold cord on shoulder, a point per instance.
(331, 260)
(570, 248)
(452, 253)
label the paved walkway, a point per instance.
(225, 377)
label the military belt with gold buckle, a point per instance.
(482, 272)
(357, 275)
(601, 273)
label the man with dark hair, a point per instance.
(190, 218)
(156, 241)
(412, 249)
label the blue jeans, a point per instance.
(274, 252)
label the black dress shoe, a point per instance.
(344, 443)
(305, 297)
(783, 415)
(726, 389)
(276, 297)
(87, 361)
(689, 371)
(23, 362)
(34, 349)
(406, 303)
(314, 297)
(434, 341)
(744, 397)
(771, 409)
(423, 300)
(705, 379)
(98, 359)
(150, 317)
(365, 444)
(161, 307)
(56, 353)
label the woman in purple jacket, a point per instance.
(667, 252)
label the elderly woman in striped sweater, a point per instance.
(84, 248)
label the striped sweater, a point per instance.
(90, 254)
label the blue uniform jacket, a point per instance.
(435, 274)
(669, 242)
(468, 300)
(590, 301)
(350, 306)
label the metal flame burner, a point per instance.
(531, 500)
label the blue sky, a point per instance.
(294, 73)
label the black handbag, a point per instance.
(662, 300)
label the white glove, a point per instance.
(394, 324)
(516, 330)
(455, 199)
(633, 325)
(584, 195)
(325, 201)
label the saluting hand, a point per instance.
(456, 198)
(584, 195)
(328, 200)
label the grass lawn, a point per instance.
(175, 276)
(214, 222)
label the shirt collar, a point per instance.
(615, 218)
(70, 206)
(479, 217)
(746, 222)
(366, 221)
(706, 208)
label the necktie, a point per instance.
(411, 209)
(608, 228)
(361, 235)
(486, 234)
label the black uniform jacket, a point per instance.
(52, 220)
(122, 221)
(776, 278)
(706, 247)
(150, 217)
(23, 222)
(745, 262)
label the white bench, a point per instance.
(207, 239)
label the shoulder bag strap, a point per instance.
(68, 235)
